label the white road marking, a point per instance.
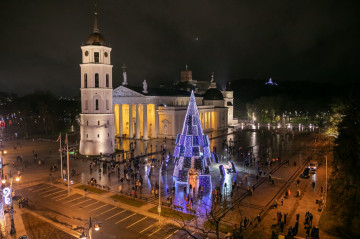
(107, 211)
(81, 202)
(64, 197)
(42, 188)
(136, 222)
(125, 218)
(115, 215)
(65, 193)
(52, 194)
(155, 232)
(91, 204)
(98, 208)
(171, 234)
(146, 228)
(48, 191)
(72, 200)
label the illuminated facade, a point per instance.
(159, 112)
(140, 112)
(97, 116)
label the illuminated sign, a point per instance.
(7, 195)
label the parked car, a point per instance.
(312, 167)
(306, 173)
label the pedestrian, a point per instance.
(85, 190)
(313, 185)
(120, 188)
(282, 201)
(245, 222)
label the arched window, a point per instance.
(86, 105)
(98, 122)
(96, 80)
(107, 80)
(96, 104)
(85, 80)
(107, 104)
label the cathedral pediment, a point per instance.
(123, 91)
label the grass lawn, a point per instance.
(129, 201)
(170, 213)
(92, 189)
(37, 228)
(224, 228)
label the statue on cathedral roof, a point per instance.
(145, 87)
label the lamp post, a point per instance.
(90, 227)
(159, 208)
(326, 179)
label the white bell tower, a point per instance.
(97, 133)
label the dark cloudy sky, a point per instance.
(312, 40)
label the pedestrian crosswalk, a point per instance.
(143, 226)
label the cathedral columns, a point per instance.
(145, 128)
(137, 132)
(156, 122)
(131, 135)
(120, 121)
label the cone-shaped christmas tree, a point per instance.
(192, 152)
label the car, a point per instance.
(306, 173)
(312, 167)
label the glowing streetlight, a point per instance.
(17, 179)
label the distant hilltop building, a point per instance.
(140, 112)
(270, 82)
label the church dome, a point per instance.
(213, 94)
(95, 38)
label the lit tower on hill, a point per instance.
(192, 152)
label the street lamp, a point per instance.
(96, 227)
(82, 236)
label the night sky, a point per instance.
(286, 40)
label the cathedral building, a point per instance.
(140, 112)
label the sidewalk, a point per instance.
(18, 222)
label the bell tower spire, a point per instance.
(96, 29)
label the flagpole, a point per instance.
(61, 166)
(68, 166)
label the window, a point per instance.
(86, 105)
(87, 136)
(85, 80)
(96, 104)
(98, 122)
(96, 80)
(108, 135)
(87, 122)
(107, 122)
(107, 104)
(96, 57)
(98, 135)
(107, 80)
